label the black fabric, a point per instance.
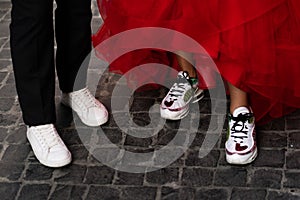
(32, 49)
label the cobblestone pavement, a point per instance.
(274, 175)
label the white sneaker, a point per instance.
(47, 146)
(90, 110)
(241, 139)
(175, 105)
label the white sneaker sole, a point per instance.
(86, 122)
(167, 114)
(95, 124)
(237, 159)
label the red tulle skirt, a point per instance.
(255, 44)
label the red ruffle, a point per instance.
(255, 44)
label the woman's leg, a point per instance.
(238, 98)
(182, 58)
(241, 143)
(175, 105)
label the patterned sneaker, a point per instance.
(241, 143)
(47, 146)
(175, 105)
(90, 110)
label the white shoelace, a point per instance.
(84, 99)
(47, 135)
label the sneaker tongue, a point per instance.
(240, 110)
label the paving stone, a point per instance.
(165, 136)
(8, 191)
(78, 136)
(292, 179)
(169, 156)
(168, 193)
(294, 140)
(71, 173)
(115, 135)
(11, 171)
(4, 39)
(163, 176)
(8, 91)
(99, 175)
(175, 139)
(123, 118)
(273, 195)
(211, 160)
(4, 28)
(274, 125)
(211, 194)
(5, 5)
(17, 135)
(66, 192)
(2, 74)
(79, 153)
(272, 139)
(137, 193)
(16, 153)
(8, 119)
(4, 64)
(197, 177)
(34, 191)
(240, 194)
(38, 172)
(270, 158)
(138, 142)
(266, 178)
(143, 119)
(70, 136)
(293, 160)
(103, 193)
(142, 104)
(233, 176)
(124, 178)
(5, 53)
(198, 140)
(205, 106)
(11, 79)
(3, 133)
(207, 123)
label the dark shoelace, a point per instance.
(178, 88)
(240, 126)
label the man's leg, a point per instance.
(73, 36)
(32, 48)
(33, 61)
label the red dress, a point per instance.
(255, 44)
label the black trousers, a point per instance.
(32, 50)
